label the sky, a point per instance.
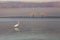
(32, 0)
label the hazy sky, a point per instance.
(31, 0)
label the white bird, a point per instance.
(16, 25)
(16, 28)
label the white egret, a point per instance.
(16, 27)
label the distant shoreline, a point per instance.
(30, 17)
(28, 7)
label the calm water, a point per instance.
(50, 11)
(35, 24)
(30, 19)
(40, 25)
